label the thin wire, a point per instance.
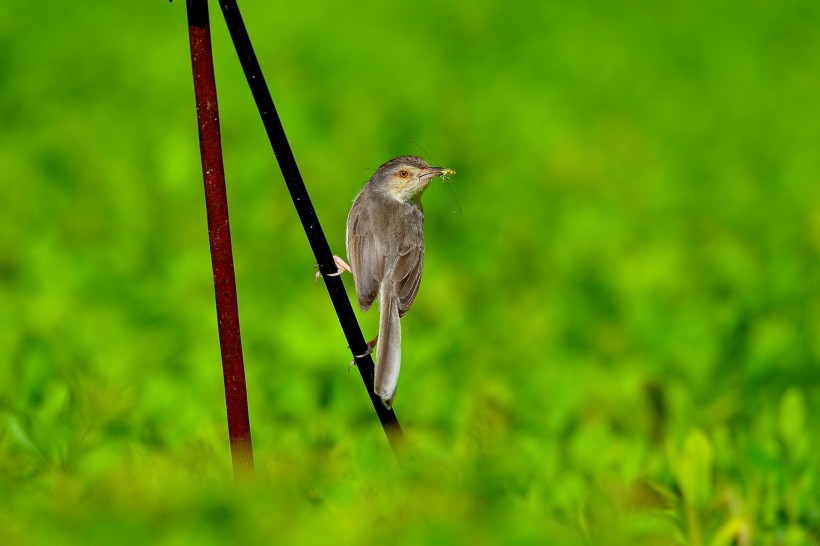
(307, 215)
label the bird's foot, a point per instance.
(341, 267)
(370, 346)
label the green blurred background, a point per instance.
(616, 341)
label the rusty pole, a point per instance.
(219, 234)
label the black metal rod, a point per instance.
(310, 222)
(219, 235)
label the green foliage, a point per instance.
(615, 342)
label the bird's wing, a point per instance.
(366, 250)
(409, 265)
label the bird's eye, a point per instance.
(404, 173)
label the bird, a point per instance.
(385, 248)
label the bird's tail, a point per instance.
(388, 358)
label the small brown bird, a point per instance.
(385, 246)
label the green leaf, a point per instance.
(734, 531)
(792, 421)
(694, 468)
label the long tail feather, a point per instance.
(388, 358)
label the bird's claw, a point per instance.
(370, 346)
(341, 267)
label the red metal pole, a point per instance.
(219, 234)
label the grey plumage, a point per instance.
(385, 247)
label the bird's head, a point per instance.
(405, 178)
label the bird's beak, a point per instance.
(432, 172)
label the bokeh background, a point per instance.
(616, 340)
